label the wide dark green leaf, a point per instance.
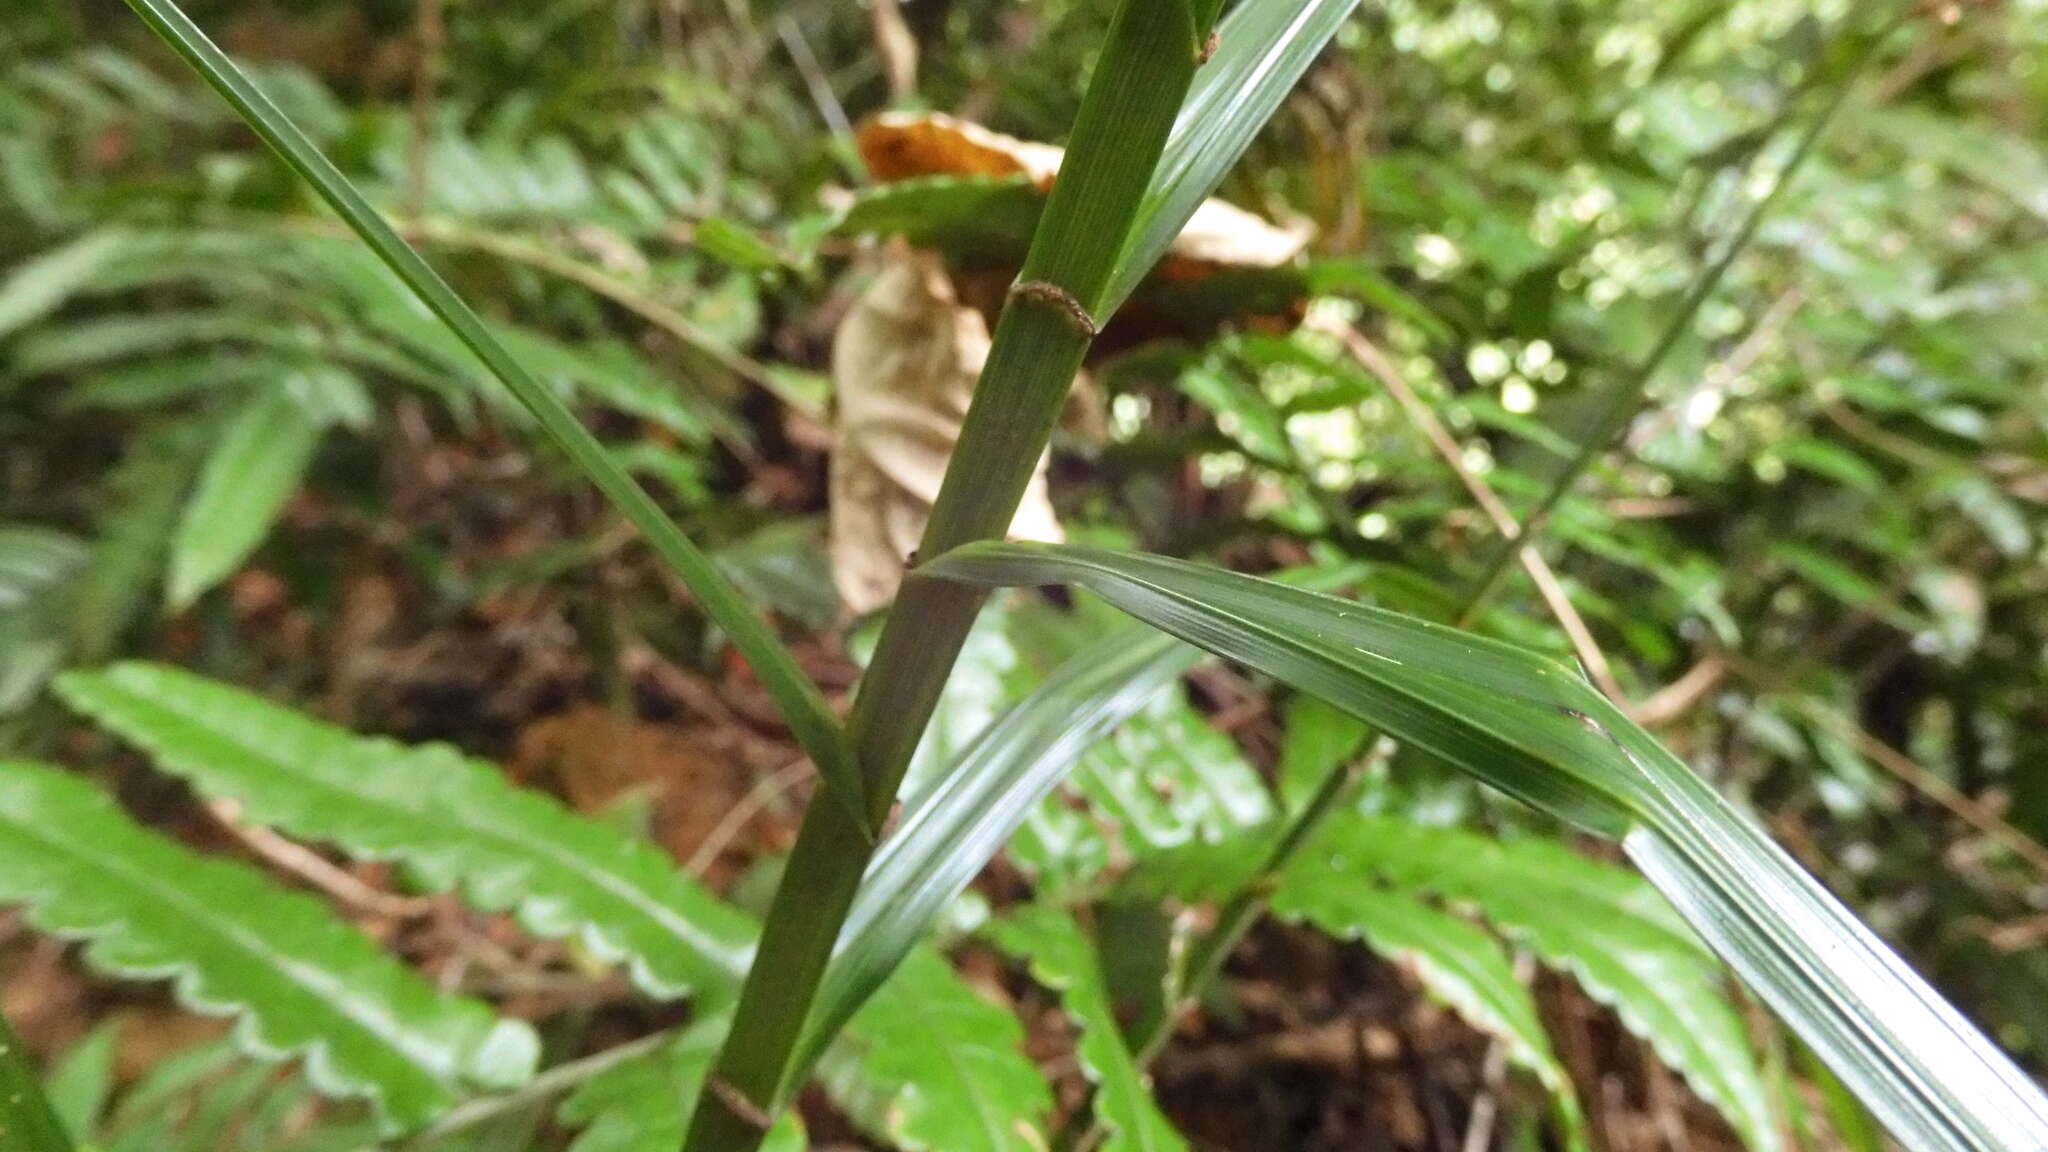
(1534, 729)
(303, 981)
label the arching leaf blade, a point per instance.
(1529, 726)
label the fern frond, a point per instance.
(301, 981)
(454, 821)
(1063, 958)
(931, 1066)
(1607, 927)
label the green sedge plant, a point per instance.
(836, 980)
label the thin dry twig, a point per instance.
(1540, 573)
(316, 870)
(1677, 698)
(1971, 810)
(896, 46)
(736, 817)
(430, 31)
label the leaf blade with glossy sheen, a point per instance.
(809, 716)
(950, 831)
(303, 981)
(930, 1066)
(1262, 49)
(1528, 726)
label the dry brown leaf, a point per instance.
(906, 145)
(904, 363)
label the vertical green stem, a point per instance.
(1146, 65)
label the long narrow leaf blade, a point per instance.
(27, 1121)
(1262, 49)
(1527, 725)
(951, 830)
(805, 710)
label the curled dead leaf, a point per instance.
(904, 364)
(900, 146)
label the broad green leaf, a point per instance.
(979, 220)
(1064, 959)
(643, 1104)
(1530, 727)
(1319, 736)
(252, 470)
(1610, 930)
(1456, 962)
(930, 1066)
(304, 982)
(454, 821)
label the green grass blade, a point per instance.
(1533, 728)
(810, 718)
(1618, 405)
(27, 1122)
(1262, 49)
(950, 831)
